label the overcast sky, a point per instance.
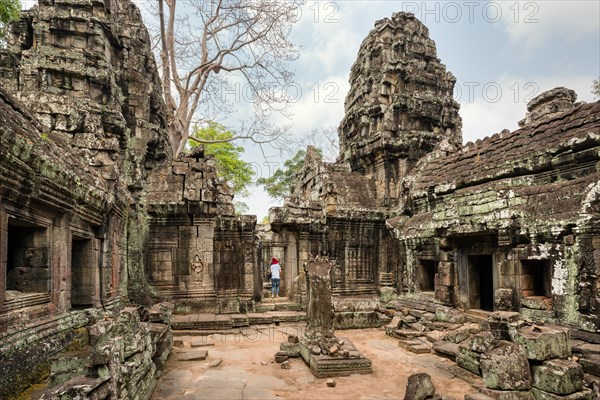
(502, 53)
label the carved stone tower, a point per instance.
(400, 103)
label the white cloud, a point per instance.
(489, 108)
(531, 24)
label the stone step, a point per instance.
(591, 364)
(414, 345)
(277, 304)
(221, 322)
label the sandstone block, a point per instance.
(537, 302)
(503, 299)
(419, 387)
(585, 394)
(542, 343)
(445, 314)
(195, 355)
(505, 367)
(508, 394)
(558, 376)
(501, 322)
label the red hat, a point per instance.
(274, 261)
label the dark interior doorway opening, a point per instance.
(481, 282)
(426, 275)
(82, 273)
(536, 278)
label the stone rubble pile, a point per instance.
(516, 358)
(120, 360)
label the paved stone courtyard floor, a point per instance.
(248, 371)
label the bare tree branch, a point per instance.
(210, 45)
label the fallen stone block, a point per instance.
(503, 299)
(591, 364)
(542, 343)
(468, 359)
(286, 365)
(502, 322)
(557, 376)
(537, 302)
(458, 335)
(434, 336)
(508, 394)
(585, 394)
(414, 345)
(201, 343)
(330, 383)
(215, 363)
(451, 315)
(394, 324)
(419, 387)
(446, 348)
(281, 356)
(195, 355)
(482, 342)
(505, 367)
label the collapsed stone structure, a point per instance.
(94, 213)
(96, 218)
(507, 223)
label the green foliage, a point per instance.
(9, 11)
(596, 88)
(231, 168)
(279, 184)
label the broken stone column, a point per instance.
(325, 354)
(319, 310)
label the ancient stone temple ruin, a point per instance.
(107, 242)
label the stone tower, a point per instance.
(400, 103)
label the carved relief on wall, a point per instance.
(338, 272)
(196, 268)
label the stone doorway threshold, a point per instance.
(241, 366)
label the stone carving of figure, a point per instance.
(197, 268)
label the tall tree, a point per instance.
(596, 88)
(279, 185)
(9, 11)
(215, 53)
(230, 167)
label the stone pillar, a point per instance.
(319, 310)
(248, 224)
(60, 264)
(291, 257)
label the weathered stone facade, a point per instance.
(85, 222)
(96, 216)
(508, 223)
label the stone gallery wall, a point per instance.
(512, 218)
(507, 223)
(84, 156)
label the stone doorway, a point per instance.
(83, 273)
(481, 282)
(426, 275)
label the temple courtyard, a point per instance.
(241, 365)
